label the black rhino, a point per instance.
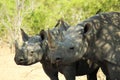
(96, 38)
(35, 49)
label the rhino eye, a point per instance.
(71, 48)
(32, 51)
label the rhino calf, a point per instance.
(96, 38)
(35, 49)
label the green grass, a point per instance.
(34, 15)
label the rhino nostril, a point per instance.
(58, 59)
(21, 59)
(32, 51)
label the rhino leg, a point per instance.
(50, 71)
(111, 71)
(69, 72)
(93, 75)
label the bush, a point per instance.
(34, 15)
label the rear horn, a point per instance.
(51, 42)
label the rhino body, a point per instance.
(35, 49)
(96, 38)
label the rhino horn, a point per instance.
(16, 47)
(61, 35)
(51, 42)
(25, 37)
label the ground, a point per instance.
(10, 71)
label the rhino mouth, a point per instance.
(25, 63)
(21, 62)
(57, 62)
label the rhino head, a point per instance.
(71, 47)
(30, 52)
(34, 49)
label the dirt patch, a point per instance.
(10, 71)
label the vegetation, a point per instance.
(34, 15)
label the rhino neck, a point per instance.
(95, 37)
(91, 38)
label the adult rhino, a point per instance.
(35, 49)
(96, 38)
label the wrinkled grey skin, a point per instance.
(96, 38)
(35, 49)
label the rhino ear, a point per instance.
(25, 37)
(43, 34)
(62, 24)
(87, 28)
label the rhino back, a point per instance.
(104, 39)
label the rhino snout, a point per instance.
(57, 59)
(19, 60)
